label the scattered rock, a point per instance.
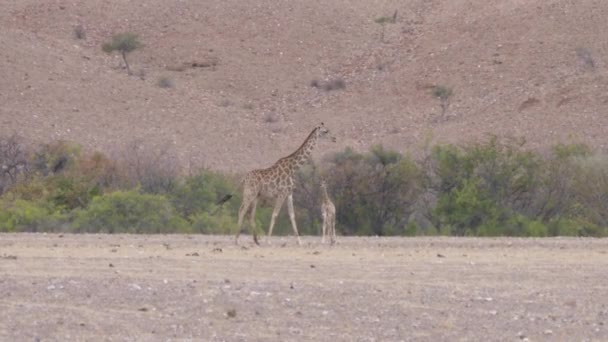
(439, 255)
(144, 309)
(231, 313)
(217, 250)
(111, 265)
(312, 266)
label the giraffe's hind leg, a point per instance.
(248, 199)
(324, 226)
(332, 229)
(252, 224)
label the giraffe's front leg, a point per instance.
(275, 212)
(292, 217)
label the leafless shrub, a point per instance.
(153, 170)
(13, 161)
(165, 82)
(383, 21)
(444, 94)
(231, 313)
(335, 84)
(591, 180)
(528, 103)
(79, 32)
(585, 57)
(271, 117)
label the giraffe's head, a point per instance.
(323, 132)
(323, 184)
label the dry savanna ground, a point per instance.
(204, 288)
(228, 84)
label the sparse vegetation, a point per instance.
(79, 32)
(444, 94)
(586, 58)
(271, 117)
(231, 313)
(123, 43)
(165, 82)
(225, 103)
(333, 84)
(385, 20)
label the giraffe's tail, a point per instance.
(224, 199)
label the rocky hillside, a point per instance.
(235, 84)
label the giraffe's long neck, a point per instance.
(298, 158)
(324, 195)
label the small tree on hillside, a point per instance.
(443, 94)
(383, 21)
(123, 43)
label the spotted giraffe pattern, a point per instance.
(277, 182)
(328, 213)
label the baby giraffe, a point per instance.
(328, 212)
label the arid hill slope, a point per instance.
(242, 74)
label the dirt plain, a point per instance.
(204, 288)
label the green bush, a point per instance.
(29, 216)
(200, 193)
(374, 192)
(219, 223)
(63, 178)
(482, 188)
(130, 212)
(495, 188)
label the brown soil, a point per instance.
(125, 287)
(242, 73)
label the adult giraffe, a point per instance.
(277, 182)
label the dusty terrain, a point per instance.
(241, 74)
(123, 287)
